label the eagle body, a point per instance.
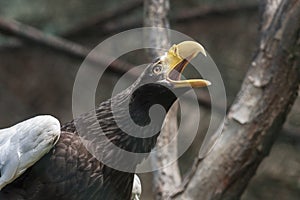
(88, 163)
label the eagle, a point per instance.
(68, 166)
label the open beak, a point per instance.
(177, 58)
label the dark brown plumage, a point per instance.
(70, 172)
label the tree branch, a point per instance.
(254, 120)
(203, 12)
(28, 33)
(165, 179)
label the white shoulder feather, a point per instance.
(136, 188)
(24, 144)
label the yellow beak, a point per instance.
(177, 59)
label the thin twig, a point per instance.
(211, 11)
(107, 16)
(184, 16)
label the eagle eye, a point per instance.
(157, 69)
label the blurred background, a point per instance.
(38, 79)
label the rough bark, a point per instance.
(257, 115)
(165, 179)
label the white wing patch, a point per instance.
(24, 144)
(136, 188)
